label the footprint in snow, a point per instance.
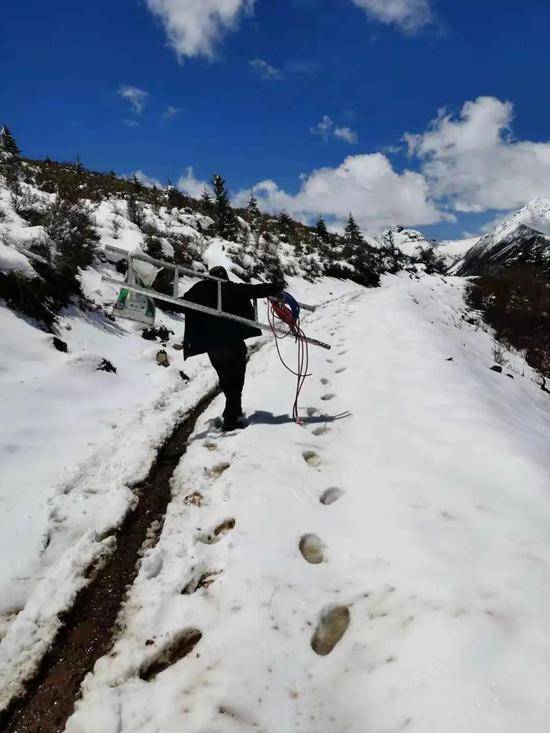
(217, 470)
(321, 430)
(211, 538)
(311, 458)
(331, 495)
(342, 353)
(331, 627)
(311, 548)
(312, 411)
(340, 370)
(200, 578)
(170, 653)
(194, 499)
(324, 381)
(328, 396)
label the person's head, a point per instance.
(220, 272)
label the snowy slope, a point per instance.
(409, 241)
(535, 214)
(437, 544)
(73, 443)
(412, 243)
(515, 239)
(67, 463)
(74, 440)
(455, 250)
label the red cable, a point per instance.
(279, 312)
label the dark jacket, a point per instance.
(204, 332)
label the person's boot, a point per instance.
(237, 423)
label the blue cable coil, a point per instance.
(292, 304)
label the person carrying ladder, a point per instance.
(222, 339)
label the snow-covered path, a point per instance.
(438, 545)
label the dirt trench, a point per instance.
(89, 627)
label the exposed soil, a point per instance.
(90, 626)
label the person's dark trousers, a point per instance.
(230, 363)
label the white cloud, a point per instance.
(474, 162)
(367, 185)
(195, 27)
(135, 97)
(130, 123)
(323, 128)
(327, 129)
(191, 185)
(391, 149)
(170, 112)
(265, 70)
(147, 180)
(290, 68)
(346, 134)
(409, 15)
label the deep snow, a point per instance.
(74, 441)
(438, 544)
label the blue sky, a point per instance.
(310, 99)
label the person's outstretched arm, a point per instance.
(264, 290)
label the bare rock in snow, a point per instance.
(106, 366)
(60, 345)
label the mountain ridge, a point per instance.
(522, 238)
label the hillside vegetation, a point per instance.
(67, 214)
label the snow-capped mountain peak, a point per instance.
(409, 241)
(522, 237)
(535, 214)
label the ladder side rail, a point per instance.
(203, 309)
(184, 270)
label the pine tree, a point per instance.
(253, 212)
(321, 230)
(364, 258)
(287, 225)
(8, 144)
(175, 198)
(137, 185)
(353, 239)
(206, 200)
(224, 216)
(352, 232)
